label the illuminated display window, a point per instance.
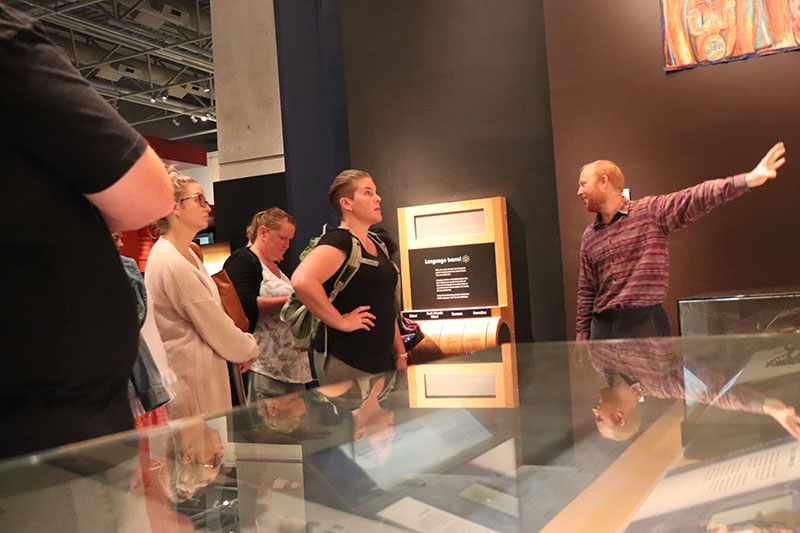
(450, 224)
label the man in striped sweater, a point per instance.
(624, 258)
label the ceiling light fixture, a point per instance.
(176, 121)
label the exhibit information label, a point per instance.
(453, 276)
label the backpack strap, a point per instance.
(351, 266)
(347, 273)
(377, 240)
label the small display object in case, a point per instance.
(750, 311)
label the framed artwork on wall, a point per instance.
(704, 32)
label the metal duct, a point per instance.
(129, 68)
(172, 106)
(102, 32)
(154, 13)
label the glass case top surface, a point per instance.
(763, 292)
(675, 434)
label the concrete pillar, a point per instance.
(247, 91)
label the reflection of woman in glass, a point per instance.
(177, 465)
(283, 414)
(373, 426)
(196, 453)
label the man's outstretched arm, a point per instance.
(767, 168)
(679, 209)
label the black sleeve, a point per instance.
(244, 269)
(338, 238)
(55, 116)
(341, 239)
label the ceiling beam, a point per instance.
(135, 43)
(193, 134)
(122, 95)
(141, 53)
(54, 11)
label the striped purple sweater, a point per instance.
(625, 263)
(660, 372)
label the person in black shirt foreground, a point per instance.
(72, 170)
(359, 332)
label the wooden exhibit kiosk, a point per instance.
(456, 280)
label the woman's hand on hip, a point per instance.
(358, 318)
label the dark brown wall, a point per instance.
(611, 99)
(448, 100)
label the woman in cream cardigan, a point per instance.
(198, 336)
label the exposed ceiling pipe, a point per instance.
(143, 53)
(49, 11)
(170, 86)
(131, 68)
(168, 105)
(135, 43)
(154, 13)
(193, 134)
(192, 49)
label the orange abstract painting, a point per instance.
(702, 32)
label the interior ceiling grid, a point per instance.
(151, 71)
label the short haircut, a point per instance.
(344, 186)
(271, 218)
(633, 420)
(609, 168)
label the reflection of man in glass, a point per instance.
(650, 367)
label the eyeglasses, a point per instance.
(200, 199)
(216, 461)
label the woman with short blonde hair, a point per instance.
(359, 334)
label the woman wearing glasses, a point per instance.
(198, 335)
(263, 289)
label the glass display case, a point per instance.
(751, 311)
(675, 434)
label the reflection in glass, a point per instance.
(355, 456)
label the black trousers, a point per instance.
(633, 323)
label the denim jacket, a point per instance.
(145, 382)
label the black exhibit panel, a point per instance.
(236, 201)
(453, 276)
